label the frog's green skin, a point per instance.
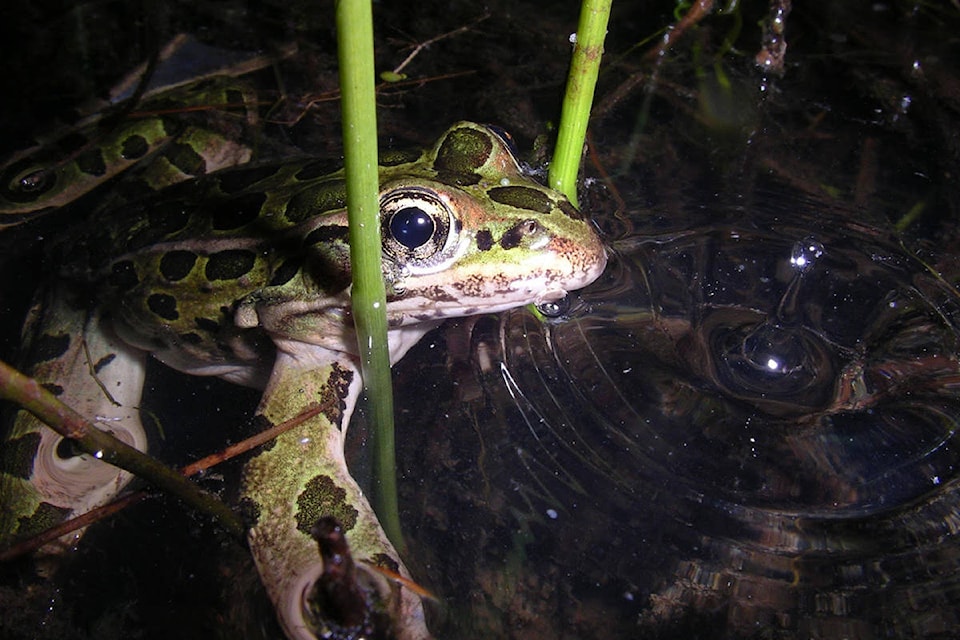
(67, 164)
(214, 275)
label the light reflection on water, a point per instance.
(747, 425)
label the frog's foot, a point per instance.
(301, 478)
(44, 479)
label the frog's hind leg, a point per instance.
(43, 478)
(301, 477)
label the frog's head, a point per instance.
(465, 231)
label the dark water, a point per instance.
(747, 429)
(744, 429)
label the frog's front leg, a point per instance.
(301, 477)
(43, 480)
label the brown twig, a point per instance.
(107, 510)
(307, 102)
(426, 43)
(29, 394)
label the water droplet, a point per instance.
(554, 308)
(805, 253)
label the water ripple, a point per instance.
(788, 401)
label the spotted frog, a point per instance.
(245, 274)
(174, 135)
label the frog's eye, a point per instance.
(25, 181)
(415, 225)
(505, 138)
(412, 227)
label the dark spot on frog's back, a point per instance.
(463, 151)
(163, 305)
(230, 264)
(522, 198)
(176, 265)
(91, 162)
(285, 272)
(239, 179)
(134, 147)
(237, 212)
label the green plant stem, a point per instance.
(575, 113)
(358, 106)
(48, 409)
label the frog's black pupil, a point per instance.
(411, 227)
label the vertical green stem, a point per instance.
(584, 69)
(358, 106)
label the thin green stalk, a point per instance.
(48, 409)
(575, 113)
(358, 106)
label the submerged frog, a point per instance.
(174, 135)
(245, 274)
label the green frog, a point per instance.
(245, 274)
(175, 134)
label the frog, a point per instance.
(244, 274)
(173, 134)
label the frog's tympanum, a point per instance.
(245, 274)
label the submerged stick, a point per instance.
(101, 513)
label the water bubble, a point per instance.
(805, 253)
(554, 308)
